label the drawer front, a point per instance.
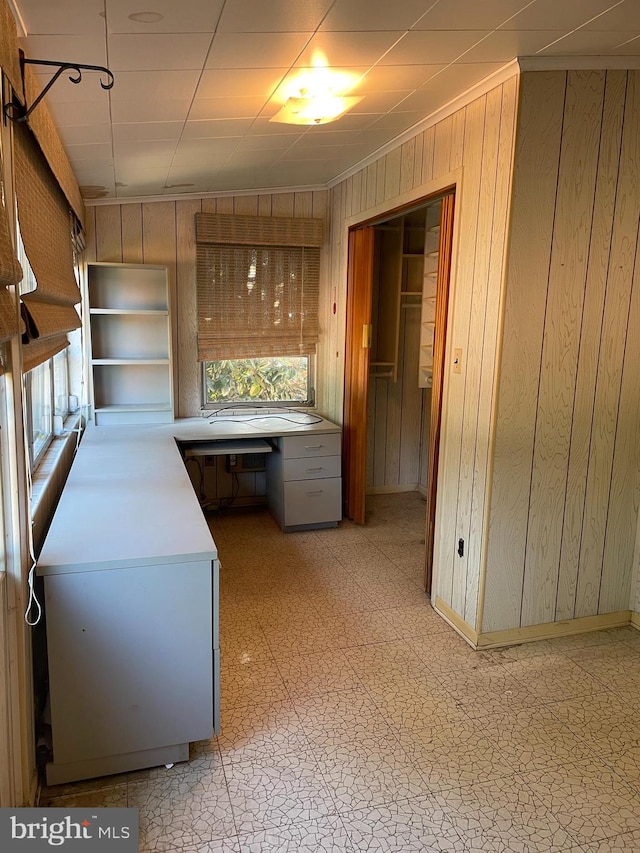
(311, 469)
(312, 502)
(304, 446)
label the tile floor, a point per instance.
(355, 719)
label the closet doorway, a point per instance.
(397, 298)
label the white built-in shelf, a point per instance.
(132, 371)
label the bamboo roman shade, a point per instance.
(257, 283)
(10, 274)
(45, 226)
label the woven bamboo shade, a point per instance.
(9, 55)
(42, 350)
(257, 283)
(10, 274)
(45, 132)
(43, 213)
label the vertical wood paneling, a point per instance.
(565, 300)
(392, 173)
(372, 184)
(533, 204)
(347, 194)
(131, 223)
(108, 233)
(6, 747)
(356, 194)
(450, 576)
(487, 392)
(464, 569)
(90, 234)
(442, 146)
(225, 204)
(614, 459)
(264, 205)
(457, 137)
(407, 163)
(411, 405)
(427, 154)
(380, 180)
(582, 425)
(246, 205)
(282, 204)
(418, 154)
(185, 313)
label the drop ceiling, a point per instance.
(196, 81)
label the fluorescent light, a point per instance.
(315, 110)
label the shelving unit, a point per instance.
(132, 374)
(429, 289)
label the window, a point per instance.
(257, 283)
(46, 389)
(286, 379)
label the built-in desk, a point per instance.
(131, 590)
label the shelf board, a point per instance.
(159, 312)
(432, 254)
(434, 229)
(410, 293)
(412, 255)
(134, 407)
(128, 361)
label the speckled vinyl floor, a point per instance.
(354, 718)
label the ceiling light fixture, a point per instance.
(146, 17)
(317, 95)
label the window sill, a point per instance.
(49, 477)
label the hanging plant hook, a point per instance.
(16, 112)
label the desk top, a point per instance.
(129, 501)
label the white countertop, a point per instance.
(129, 501)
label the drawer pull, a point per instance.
(317, 468)
(316, 492)
(313, 446)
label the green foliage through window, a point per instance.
(250, 380)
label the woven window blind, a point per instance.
(43, 213)
(10, 275)
(257, 285)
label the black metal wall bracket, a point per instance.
(16, 112)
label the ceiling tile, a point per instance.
(83, 48)
(242, 82)
(264, 126)
(149, 130)
(272, 141)
(149, 110)
(140, 188)
(394, 78)
(453, 81)
(251, 16)
(505, 45)
(216, 108)
(195, 16)
(70, 115)
(623, 16)
(97, 152)
(158, 51)
(354, 15)
(552, 15)
(470, 14)
(83, 134)
(301, 173)
(150, 85)
(256, 50)
(72, 16)
(398, 121)
(253, 159)
(311, 152)
(216, 127)
(332, 137)
(158, 150)
(349, 49)
(379, 103)
(436, 48)
(205, 150)
(584, 41)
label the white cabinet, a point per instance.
(304, 484)
(130, 326)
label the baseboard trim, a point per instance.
(457, 622)
(551, 630)
(635, 620)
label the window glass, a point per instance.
(61, 384)
(39, 392)
(258, 380)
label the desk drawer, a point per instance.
(315, 502)
(304, 446)
(311, 469)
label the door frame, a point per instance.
(356, 372)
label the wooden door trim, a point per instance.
(445, 252)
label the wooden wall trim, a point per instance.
(457, 622)
(552, 630)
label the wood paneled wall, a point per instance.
(473, 148)
(163, 232)
(566, 477)
(398, 420)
